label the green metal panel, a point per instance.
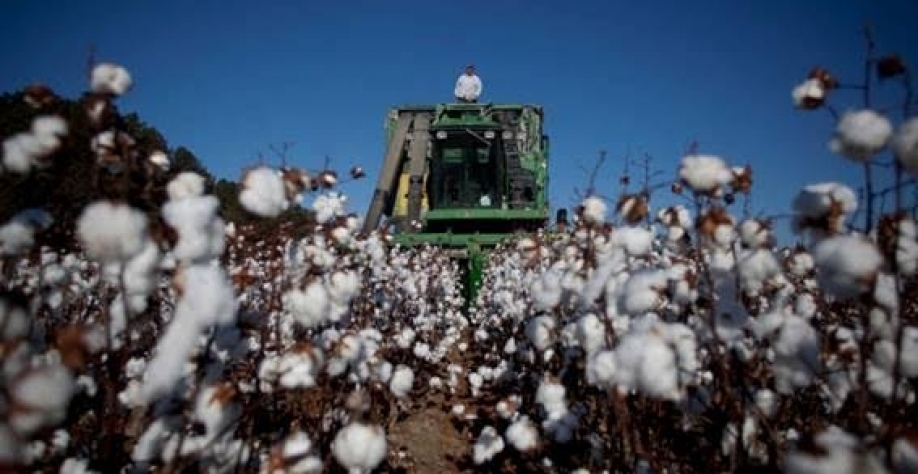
(485, 213)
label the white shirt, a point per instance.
(468, 87)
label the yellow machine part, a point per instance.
(400, 209)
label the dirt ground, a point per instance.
(427, 442)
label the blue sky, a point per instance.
(229, 79)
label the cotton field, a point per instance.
(673, 340)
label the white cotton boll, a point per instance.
(107, 78)
(522, 434)
(724, 235)
(755, 268)
(207, 300)
(846, 265)
(905, 145)
(594, 211)
(402, 381)
(861, 134)
(907, 247)
(309, 307)
(488, 444)
(160, 159)
(600, 369)
(186, 184)
(46, 392)
(658, 376)
(805, 305)
(591, 333)
(636, 241)
(801, 264)
(75, 466)
(199, 227)
(796, 351)
(551, 396)
(48, 129)
(343, 286)
(18, 152)
(300, 367)
(807, 92)
(823, 199)
(704, 173)
(643, 292)
(546, 291)
(110, 232)
(405, 338)
(540, 331)
(328, 206)
(16, 238)
(359, 447)
(836, 452)
(767, 401)
(263, 192)
(754, 234)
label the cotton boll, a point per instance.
(402, 381)
(309, 306)
(704, 174)
(801, 263)
(861, 134)
(40, 398)
(754, 234)
(540, 331)
(643, 291)
(18, 152)
(600, 369)
(300, 367)
(755, 268)
(636, 241)
(110, 232)
(107, 78)
(186, 184)
(847, 265)
(263, 192)
(796, 348)
(329, 206)
(905, 145)
(522, 434)
(488, 444)
(594, 211)
(824, 207)
(808, 92)
(834, 452)
(546, 291)
(359, 447)
(199, 227)
(591, 333)
(206, 300)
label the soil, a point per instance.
(427, 442)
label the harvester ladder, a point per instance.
(417, 166)
(390, 171)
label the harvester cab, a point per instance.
(463, 177)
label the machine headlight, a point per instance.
(441, 135)
(489, 134)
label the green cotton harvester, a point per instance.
(463, 177)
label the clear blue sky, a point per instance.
(228, 78)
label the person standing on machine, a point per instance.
(468, 86)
